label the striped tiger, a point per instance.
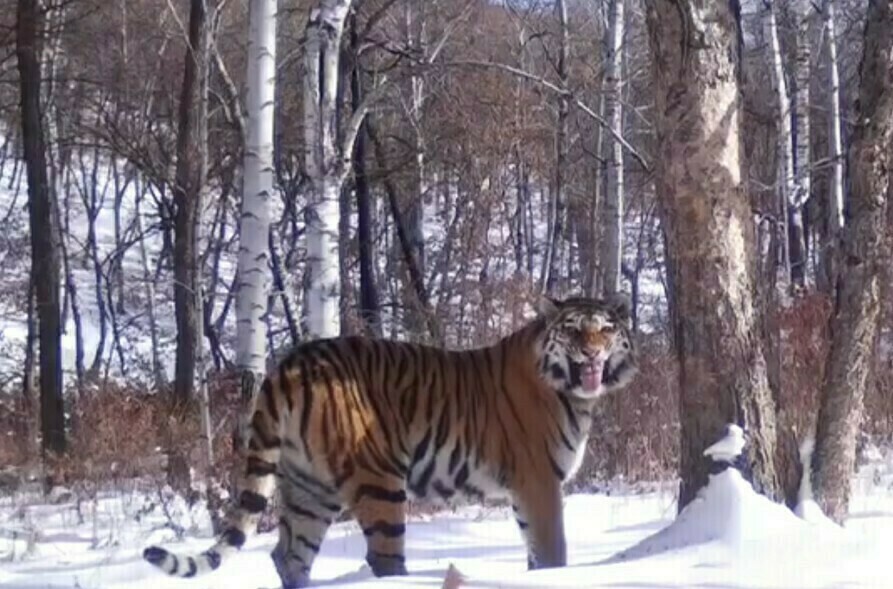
(366, 424)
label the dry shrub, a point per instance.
(16, 448)
(635, 433)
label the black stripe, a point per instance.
(522, 524)
(442, 489)
(234, 537)
(462, 476)
(259, 467)
(376, 554)
(421, 486)
(385, 529)
(285, 384)
(252, 502)
(306, 513)
(454, 456)
(193, 568)
(380, 494)
(555, 468)
(303, 540)
(307, 397)
(175, 561)
(442, 428)
(213, 559)
(422, 448)
(257, 427)
(270, 399)
(570, 413)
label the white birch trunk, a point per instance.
(834, 135)
(802, 10)
(254, 225)
(612, 238)
(324, 163)
(787, 186)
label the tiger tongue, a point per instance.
(591, 375)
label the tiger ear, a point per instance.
(620, 304)
(547, 307)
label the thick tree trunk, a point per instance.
(611, 258)
(44, 235)
(854, 326)
(254, 229)
(707, 218)
(187, 188)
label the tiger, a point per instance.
(369, 424)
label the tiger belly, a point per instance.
(442, 478)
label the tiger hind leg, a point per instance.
(306, 516)
(379, 506)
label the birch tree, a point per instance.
(802, 13)
(612, 236)
(786, 177)
(325, 161)
(253, 270)
(835, 148)
(854, 326)
(710, 236)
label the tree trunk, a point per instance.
(710, 241)
(44, 236)
(324, 162)
(158, 374)
(854, 326)
(835, 222)
(254, 227)
(187, 187)
(370, 312)
(785, 154)
(552, 259)
(802, 63)
(612, 235)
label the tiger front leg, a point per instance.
(540, 515)
(379, 504)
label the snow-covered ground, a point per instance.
(728, 538)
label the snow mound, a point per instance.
(728, 514)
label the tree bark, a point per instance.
(254, 229)
(710, 240)
(44, 236)
(325, 162)
(370, 312)
(802, 65)
(854, 325)
(835, 222)
(187, 187)
(611, 258)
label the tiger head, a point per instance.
(587, 349)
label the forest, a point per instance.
(191, 188)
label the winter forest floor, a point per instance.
(729, 538)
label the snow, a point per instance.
(729, 537)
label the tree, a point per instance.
(710, 239)
(253, 270)
(44, 235)
(612, 239)
(187, 191)
(325, 161)
(854, 325)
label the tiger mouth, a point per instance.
(588, 374)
